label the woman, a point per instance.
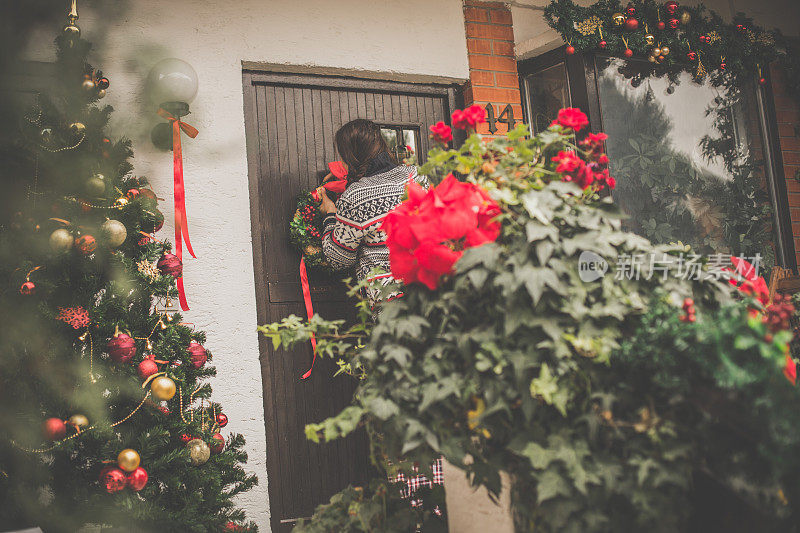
(352, 235)
(376, 184)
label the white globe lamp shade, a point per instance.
(172, 81)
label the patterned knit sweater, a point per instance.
(352, 235)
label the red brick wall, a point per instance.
(787, 112)
(492, 64)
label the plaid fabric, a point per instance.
(413, 483)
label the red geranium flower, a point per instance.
(572, 117)
(427, 233)
(469, 118)
(441, 132)
(790, 369)
(753, 284)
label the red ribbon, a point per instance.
(181, 222)
(309, 310)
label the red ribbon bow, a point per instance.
(181, 222)
(338, 186)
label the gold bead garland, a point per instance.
(62, 441)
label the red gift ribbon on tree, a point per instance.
(181, 222)
(339, 170)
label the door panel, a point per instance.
(291, 120)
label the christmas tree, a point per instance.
(106, 417)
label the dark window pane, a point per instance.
(688, 162)
(547, 92)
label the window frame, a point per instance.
(582, 76)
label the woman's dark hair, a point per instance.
(359, 142)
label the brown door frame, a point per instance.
(446, 88)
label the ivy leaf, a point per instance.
(551, 484)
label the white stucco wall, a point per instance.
(413, 36)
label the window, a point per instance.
(402, 140)
(693, 164)
(546, 91)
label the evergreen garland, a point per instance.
(699, 41)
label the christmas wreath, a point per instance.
(305, 228)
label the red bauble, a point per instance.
(169, 264)
(102, 83)
(762, 81)
(628, 53)
(137, 479)
(197, 354)
(54, 429)
(631, 24)
(147, 368)
(602, 44)
(121, 348)
(723, 66)
(86, 244)
(673, 23)
(631, 11)
(661, 25)
(691, 56)
(113, 479)
(133, 194)
(702, 38)
(222, 420)
(148, 193)
(218, 443)
(27, 288)
(671, 6)
(740, 27)
(570, 50)
(186, 438)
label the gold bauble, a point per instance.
(199, 452)
(121, 202)
(665, 50)
(77, 128)
(655, 52)
(652, 59)
(71, 31)
(686, 17)
(650, 39)
(101, 93)
(79, 421)
(618, 18)
(163, 388)
(88, 85)
(128, 460)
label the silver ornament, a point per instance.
(95, 186)
(61, 241)
(199, 452)
(114, 232)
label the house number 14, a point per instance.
(506, 117)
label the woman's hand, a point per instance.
(327, 205)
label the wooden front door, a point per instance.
(291, 120)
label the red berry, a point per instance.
(768, 338)
(688, 302)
